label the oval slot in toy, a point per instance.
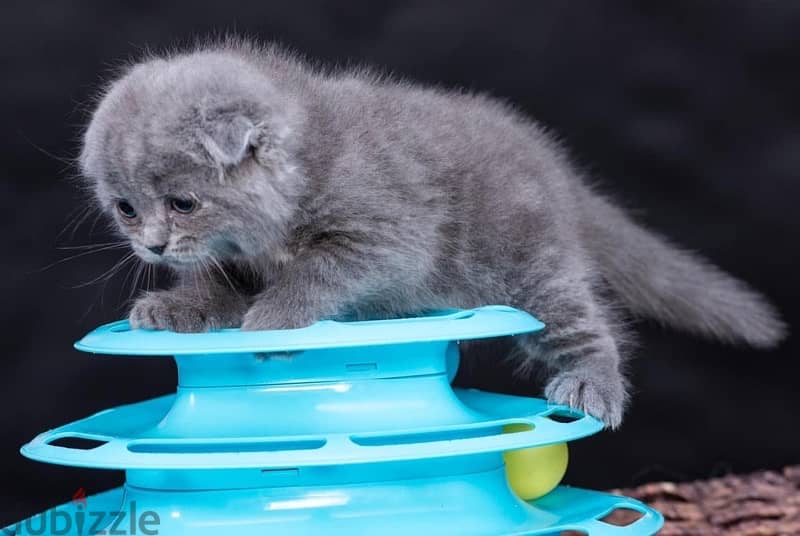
(223, 447)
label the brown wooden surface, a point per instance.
(765, 503)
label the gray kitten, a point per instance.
(282, 194)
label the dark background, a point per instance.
(688, 111)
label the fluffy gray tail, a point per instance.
(658, 280)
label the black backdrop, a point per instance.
(687, 110)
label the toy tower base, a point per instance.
(338, 428)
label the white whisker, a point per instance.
(90, 246)
(83, 253)
(108, 274)
(221, 269)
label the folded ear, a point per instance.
(227, 139)
(229, 136)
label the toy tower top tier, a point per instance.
(327, 350)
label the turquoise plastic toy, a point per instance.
(340, 428)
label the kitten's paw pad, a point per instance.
(603, 398)
(163, 311)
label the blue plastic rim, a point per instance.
(337, 428)
(471, 505)
(450, 325)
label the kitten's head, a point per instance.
(190, 156)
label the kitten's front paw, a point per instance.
(601, 396)
(262, 316)
(166, 310)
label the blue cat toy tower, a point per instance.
(334, 429)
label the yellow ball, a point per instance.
(534, 472)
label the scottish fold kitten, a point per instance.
(282, 194)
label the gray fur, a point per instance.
(345, 194)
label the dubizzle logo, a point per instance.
(77, 517)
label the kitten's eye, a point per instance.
(184, 206)
(126, 209)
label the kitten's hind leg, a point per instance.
(577, 346)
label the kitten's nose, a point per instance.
(158, 250)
